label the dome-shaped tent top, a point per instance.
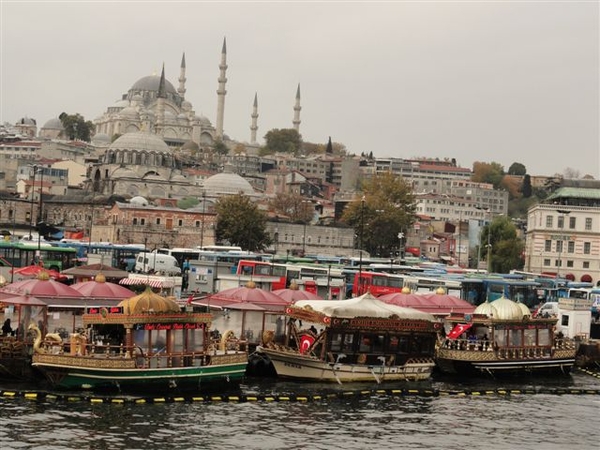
(149, 302)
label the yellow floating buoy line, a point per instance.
(44, 396)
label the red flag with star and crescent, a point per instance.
(306, 340)
(459, 329)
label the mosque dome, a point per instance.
(154, 177)
(137, 98)
(140, 141)
(151, 83)
(26, 121)
(186, 105)
(227, 184)
(130, 112)
(178, 178)
(139, 201)
(54, 124)
(101, 138)
(203, 120)
(121, 104)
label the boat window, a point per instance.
(530, 337)
(393, 345)
(348, 343)
(159, 341)
(336, 342)
(403, 344)
(366, 343)
(515, 338)
(544, 337)
(378, 343)
(500, 338)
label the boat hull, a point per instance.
(298, 366)
(78, 373)
(491, 363)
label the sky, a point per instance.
(490, 81)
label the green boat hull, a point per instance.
(136, 379)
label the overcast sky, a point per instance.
(476, 80)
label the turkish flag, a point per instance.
(306, 340)
(459, 329)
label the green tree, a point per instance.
(492, 173)
(293, 206)
(286, 140)
(240, 222)
(506, 249)
(220, 148)
(76, 127)
(526, 188)
(517, 169)
(385, 209)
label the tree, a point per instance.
(76, 127)
(286, 140)
(240, 222)
(526, 188)
(293, 206)
(506, 249)
(220, 148)
(387, 210)
(517, 169)
(187, 202)
(488, 173)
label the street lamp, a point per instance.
(362, 224)
(560, 238)
(40, 211)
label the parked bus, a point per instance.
(477, 290)
(21, 254)
(182, 255)
(122, 256)
(255, 268)
(220, 248)
(377, 283)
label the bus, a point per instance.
(477, 290)
(116, 255)
(182, 255)
(22, 254)
(255, 268)
(377, 283)
(220, 248)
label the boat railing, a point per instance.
(510, 351)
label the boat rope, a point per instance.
(47, 397)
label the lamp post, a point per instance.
(560, 238)
(40, 210)
(202, 223)
(360, 237)
(32, 202)
(304, 203)
(459, 235)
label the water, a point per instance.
(528, 421)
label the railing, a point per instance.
(518, 351)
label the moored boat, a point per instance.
(361, 339)
(144, 342)
(502, 338)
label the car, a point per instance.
(548, 309)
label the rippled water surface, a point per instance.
(528, 421)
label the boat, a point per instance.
(360, 339)
(502, 338)
(145, 342)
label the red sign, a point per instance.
(168, 326)
(107, 310)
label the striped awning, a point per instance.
(158, 284)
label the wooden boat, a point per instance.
(144, 342)
(362, 339)
(501, 337)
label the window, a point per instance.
(180, 223)
(586, 265)
(569, 263)
(560, 222)
(142, 221)
(559, 246)
(587, 247)
(571, 247)
(158, 221)
(546, 262)
(548, 245)
(572, 222)
(588, 223)
(549, 221)
(135, 221)
(197, 224)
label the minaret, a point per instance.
(221, 91)
(297, 109)
(160, 104)
(182, 79)
(254, 116)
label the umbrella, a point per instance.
(100, 288)
(34, 270)
(432, 303)
(292, 295)
(42, 286)
(27, 300)
(250, 294)
(91, 270)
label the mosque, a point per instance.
(152, 120)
